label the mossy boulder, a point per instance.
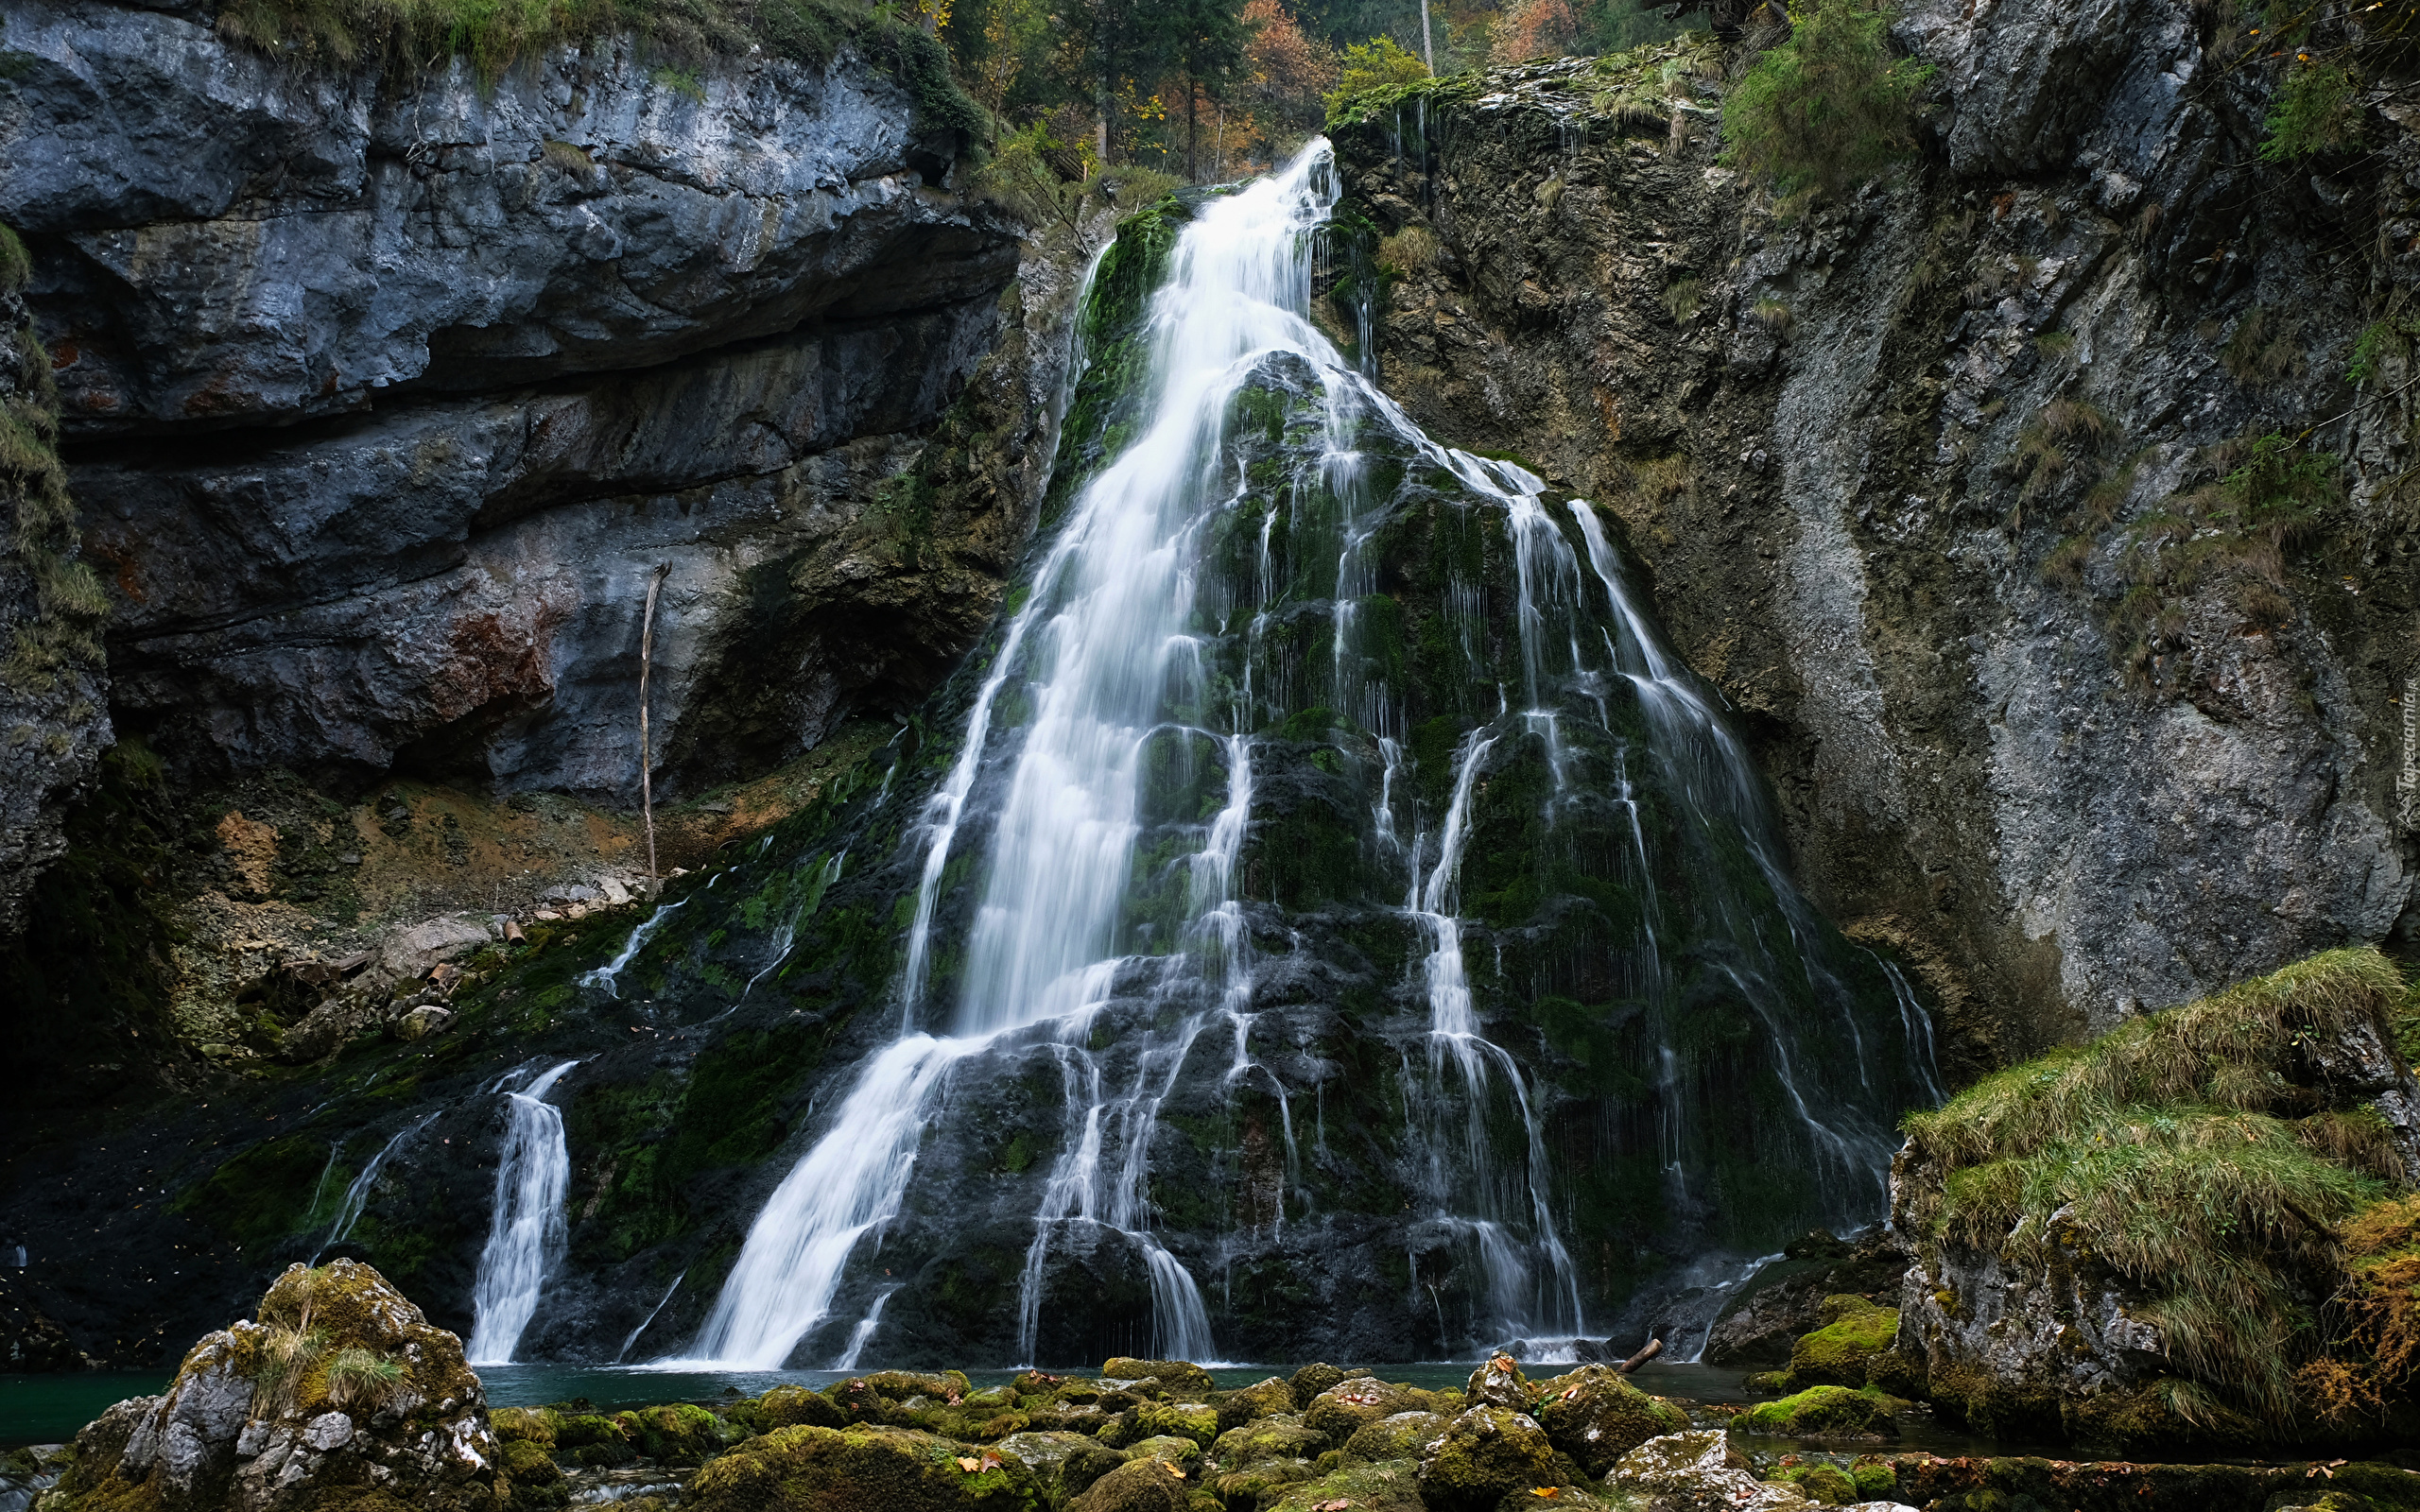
(1341, 1409)
(1259, 1486)
(1264, 1398)
(677, 1433)
(1698, 1471)
(1181, 1377)
(1307, 1383)
(1063, 1464)
(525, 1425)
(1192, 1420)
(1827, 1412)
(1878, 1479)
(1500, 1383)
(806, 1468)
(537, 1479)
(1384, 1486)
(1855, 1333)
(1485, 1455)
(791, 1406)
(1399, 1435)
(1282, 1436)
(340, 1373)
(1819, 1482)
(1138, 1486)
(1596, 1416)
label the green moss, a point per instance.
(679, 1433)
(1825, 1412)
(2159, 1151)
(1596, 1416)
(823, 1470)
(1855, 1332)
(1824, 1483)
(1828, 107)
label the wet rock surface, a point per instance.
(458, 369)
(1812, 428)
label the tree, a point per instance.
(1534, 29)
(1207, 42)
(1377, 63)
(1286, 68)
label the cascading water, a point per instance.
(1317, 759)
(357, 1194)
(525, 1229)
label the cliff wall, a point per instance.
(1935, 480)
(384, 393)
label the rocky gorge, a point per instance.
(390, 415)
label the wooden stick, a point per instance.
(647, 657)
(1655, 1348)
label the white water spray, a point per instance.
(526, 1230)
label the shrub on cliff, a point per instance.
(1828, 107)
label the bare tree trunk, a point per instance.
(1427, 53)
(646, 760)
(1655, 1348)
(1192, 131)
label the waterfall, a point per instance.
(357, 1196)
(1291, 688)
(525, 1224)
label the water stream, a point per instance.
(525, 1230)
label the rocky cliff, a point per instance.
(1940, 481)
(385, 394)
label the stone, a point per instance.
(428, 1019)
(1699, 1471)
(1398, 1435)
(1483, 1456)
(1063, 1464)
(1828, 1412)
(1340, 1410)
(862, 1466)
(1596, 1416)
(1138, 1486)
(1500, 1383)
(412, 951)
(252, 1422)
(1855, 1333)
(1175, 1375)
(1261, 1399)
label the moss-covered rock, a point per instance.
(1596, 1416)
(341, 1375)
(1138, 1486)
(1855, 1332)
(1484, 1455)
(1282, 1436)
(1192, 1420)
(1263, 1399)
(1878, 1479)
(1699, 1472)
(1341, 1409)
(1181, 1377)
(1500, 1383)
(1384, 1486)
(1825, 1411)
(525, 1425)
(1398, 1435)
(1063, 1464)
(1819, 1482)
(791, 1406)
(1307, 1383)
(850, 1469)
(677, 1434)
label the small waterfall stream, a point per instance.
(1301, 708)
(525, 1232)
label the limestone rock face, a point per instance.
(1814, 434)
(340, 1390)
(476, 360)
